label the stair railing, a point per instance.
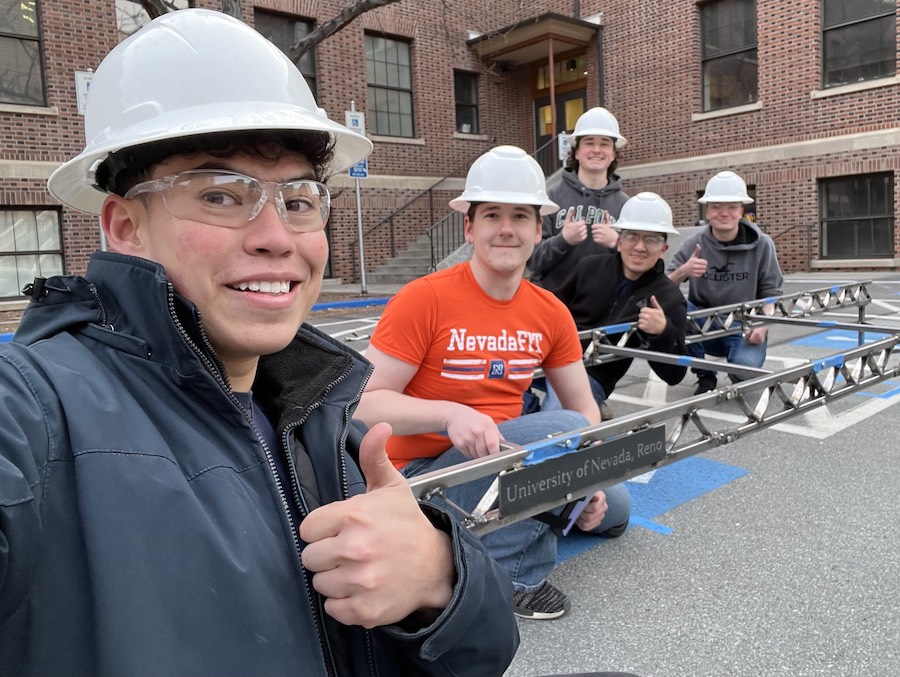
(398, 213)
(447, 235)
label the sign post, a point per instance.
(356, 121)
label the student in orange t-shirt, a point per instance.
(455, 350)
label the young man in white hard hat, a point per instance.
(175, 449)
(454, 351)
(729, 261)
(630, 286)
(590, 197)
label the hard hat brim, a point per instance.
(463, 202)
(72, 183)
(649, 227)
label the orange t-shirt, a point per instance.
(471, 348)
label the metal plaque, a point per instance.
(570, 475)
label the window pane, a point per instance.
(51, 264)
(19, 17)
(284, 32)
(389, 95)
(842, 11)
(48, 230)
(862, 51)
(728, 26)
(26, 269)
(21, 78)
(7, 238)
(25, 232)
(466, 88)
(857, 216)
(730, 81)
(9, 280)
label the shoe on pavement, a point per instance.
(544, 604)
(616, 531)
(705, 383)
(605, 412)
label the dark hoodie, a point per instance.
(553, 258)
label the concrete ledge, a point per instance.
(826, 264)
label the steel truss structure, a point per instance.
(534, 478)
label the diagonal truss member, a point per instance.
(537, 477)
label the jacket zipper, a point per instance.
(216, 369)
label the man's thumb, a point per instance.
(373, 459)
(654, 302)
(697, 251)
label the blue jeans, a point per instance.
(527, 548)
(733, 348)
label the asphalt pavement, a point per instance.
(775, 555)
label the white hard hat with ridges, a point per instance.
(599, 122)
(187, 73)
(726, 187)
(646, 211)
(509, 175)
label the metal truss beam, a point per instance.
(687, 426)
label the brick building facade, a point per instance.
(782, 91)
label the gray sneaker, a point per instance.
(544, 604)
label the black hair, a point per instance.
(572, 163)
(473, 205)
(127, 167)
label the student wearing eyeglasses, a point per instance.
(627, 286)
(179, 487)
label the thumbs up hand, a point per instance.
(695, 266)
(652, 318)
(376, 557)
(574, 231)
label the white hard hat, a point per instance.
(187, 73)
(726, 187)
(599, 122)
(646, 211)
(505, 174)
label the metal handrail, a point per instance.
(446, 236)
(389, 219)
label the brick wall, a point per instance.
(651, 71)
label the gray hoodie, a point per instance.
(736, 272)
(553, 258)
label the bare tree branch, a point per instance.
(329, 28)
(155, 8)
(232, 8)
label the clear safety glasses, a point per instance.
(631, 238)
(230, 200)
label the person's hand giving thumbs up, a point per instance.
(376, 557)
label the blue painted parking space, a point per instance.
(669, 487)
(837, 339)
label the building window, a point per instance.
(728, 53)
(130, 15)
(859, 40)
(857, 216)
(285, 32)
(30, 246)
(465, 87)
(21, 73)
(389, 92)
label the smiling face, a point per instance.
(595, 154)
(640, 250)
(503, 237)
(723, 218)
(253, 284)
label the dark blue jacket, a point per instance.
(142, 530)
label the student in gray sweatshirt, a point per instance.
(590, 197)
(730, 261)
